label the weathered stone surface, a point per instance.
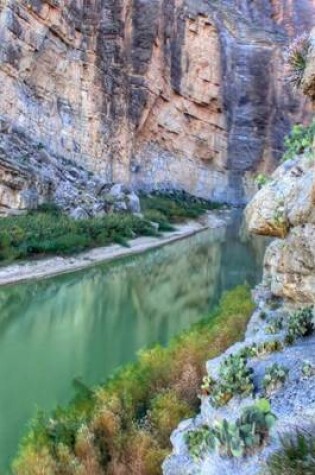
(286, 201)
(293, 403)
(289, 269)
(20, 189)
(186, 94)
(35, 177)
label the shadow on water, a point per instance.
(89, 323)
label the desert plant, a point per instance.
(308, 370)
(235, 379)
(300, 324)
(274, 378)
(208, 385)
(234, 439)
(296, 456)
(275, 326)
(297, 59)
(263, 315)
(261, 180)
(299, 141)
(268, 347)
(199, 441)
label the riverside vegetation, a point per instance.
(123, 426)
(48, 231)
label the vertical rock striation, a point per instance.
(161, 93)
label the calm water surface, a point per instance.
(89, 323)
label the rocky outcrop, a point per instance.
(293, 403)
(183, 94)
(285, 208)
(33, 177)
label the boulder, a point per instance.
(285, 208)
(286, 201)
(79, 213)
(133, 203)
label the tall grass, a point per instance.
(123, 427)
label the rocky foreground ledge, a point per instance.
(293, 402)
(280, 338)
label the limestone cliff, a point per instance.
(181, 93)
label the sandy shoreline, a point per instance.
(50, 267)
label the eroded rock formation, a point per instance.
(178, 93)
(285, 208)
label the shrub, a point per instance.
(166, 412)
(274, 377)
(300, 324)
(299, 141)
(297, 59)
(48, 231)
(261, 180)
(296, 456)
(173, 208)
(234, 439)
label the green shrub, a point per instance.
(296, 456)
(234, 439)
(48, 231)
(261, 180)
(300, 140)
(164, 208)
(166, 412)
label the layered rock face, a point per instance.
(180, 93)
(285, 208)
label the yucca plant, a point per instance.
(296, 456)
(297, 59)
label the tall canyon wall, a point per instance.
(156, 93)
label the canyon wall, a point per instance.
(285, 209)
(162, 93)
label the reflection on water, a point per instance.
(89, 323)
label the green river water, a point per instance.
(89, 323)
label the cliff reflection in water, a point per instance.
(87, 324)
